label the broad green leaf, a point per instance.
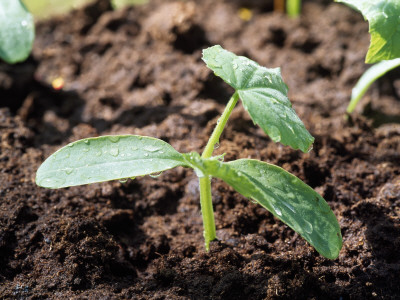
(284, 195)
(384, 27)
(264, 96)
(17, 31)
(368, 78)
(107, 158)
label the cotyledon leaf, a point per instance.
(107, 158)
(17, 31)
(264, 96)
(284, 195)
(384, 26)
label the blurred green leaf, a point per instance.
(17, 31)
(384, 27)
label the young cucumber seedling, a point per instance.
(384, 49)
(264, 96)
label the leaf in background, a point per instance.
(286, 196)
(264, 96)
(372, 74)
(384, 27)
(17, 31)
(107, 158)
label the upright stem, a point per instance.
(293, 8)
(205, 182)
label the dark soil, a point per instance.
(139, 71)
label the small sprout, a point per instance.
(264, 95)
(293, 8)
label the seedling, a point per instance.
(17, 31)
(264, 96)
(384, 49)
(293, 7)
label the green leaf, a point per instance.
(17, 31)
(264, 96)
(283, 194)
(384, 27)
(107, 158)
(368, 78)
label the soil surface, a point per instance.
(139, 71)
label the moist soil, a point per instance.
(139, 71)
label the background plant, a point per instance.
(384, 49)
(264, 96)
(17, 31)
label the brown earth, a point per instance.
(139, 71)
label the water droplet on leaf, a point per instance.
(52, 182)
(155, 175)
(124, 180)
(146, 154)
(307, 226)
(68, 170)
(151, 148)
(114, 151)
(87, 142)
(114, 139)
(274, 133)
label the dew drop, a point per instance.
(87, 142)
(289, 206)
(114, 139)
(52, 182)
(134, 148)
(274, 133)
(155, 175)
(99, 153)
(146, 154)
(24, 23)
(307, 226)
(235, 66)
(85, 149)
(114, 151)
(151, 148)
(277, 210)
(70, 145)
(68, 170)
(124, 180)
(132, 178)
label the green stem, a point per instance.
(205, 182)
(214, 139)
(293, 8)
